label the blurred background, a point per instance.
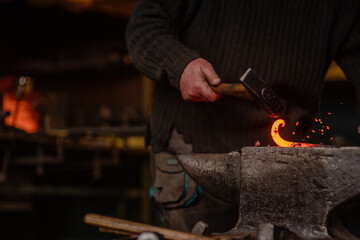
(73, 112)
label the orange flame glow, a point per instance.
(27, 117)
(282, 142)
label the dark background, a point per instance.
(76, 55)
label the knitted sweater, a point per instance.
(290, 44)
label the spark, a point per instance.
(282, 142)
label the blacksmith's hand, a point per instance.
(195, 80)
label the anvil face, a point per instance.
(296, 188)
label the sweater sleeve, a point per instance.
(153, 38)
(348, 57)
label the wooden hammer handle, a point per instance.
(232, 89)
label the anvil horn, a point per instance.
(217, 174)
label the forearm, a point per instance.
(153, 40)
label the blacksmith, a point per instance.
(185, 45)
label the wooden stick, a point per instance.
(117, 232)
(137, 228)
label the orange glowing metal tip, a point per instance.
(282, 142)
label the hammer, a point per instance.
(252, 87)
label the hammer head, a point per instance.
(262, 93)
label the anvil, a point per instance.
(301, 189)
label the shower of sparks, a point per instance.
(282, 142)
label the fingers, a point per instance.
(208, 93)
(197, 93)
(195, 79)
(210, 74)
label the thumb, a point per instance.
(210, 75)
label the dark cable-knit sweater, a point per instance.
(290, 44)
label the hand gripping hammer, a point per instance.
(252, 87)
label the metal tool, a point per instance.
(200, 228)
(252, 87)
(147, 236)
(300, 189)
